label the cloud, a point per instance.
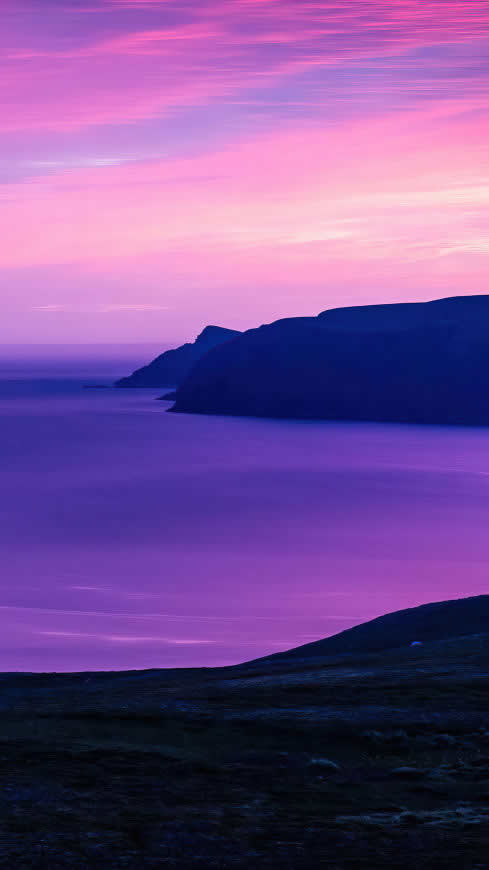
(99, 308)
(64, 79)
(237, 152)
(125, 638)
(396, 190)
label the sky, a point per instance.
(170, 163)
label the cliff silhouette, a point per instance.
(407, 363)
(171, 367)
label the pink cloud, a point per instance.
(409, 189)
(282, 179)
(222, 51)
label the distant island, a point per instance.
(172, 367)
(405, 363)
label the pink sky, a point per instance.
(168, 164)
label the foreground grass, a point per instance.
(378, 761)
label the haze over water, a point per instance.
(135, 538)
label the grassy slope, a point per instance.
(437, 620)
(230, 767)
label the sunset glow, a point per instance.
(167, 164)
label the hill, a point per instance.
(170, 368)
(440, 620)
(369, 760)
(411, 363)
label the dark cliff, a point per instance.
(411, 363)
(171, 367)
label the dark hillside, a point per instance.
(428, 622)
(372, 761)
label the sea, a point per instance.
(135, 538)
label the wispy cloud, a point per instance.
(208, 51)
(216, 149)
(61, 308)
(125, 638)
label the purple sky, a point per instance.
(167, 164)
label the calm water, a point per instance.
(130, 537)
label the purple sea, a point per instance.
(133, 538)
